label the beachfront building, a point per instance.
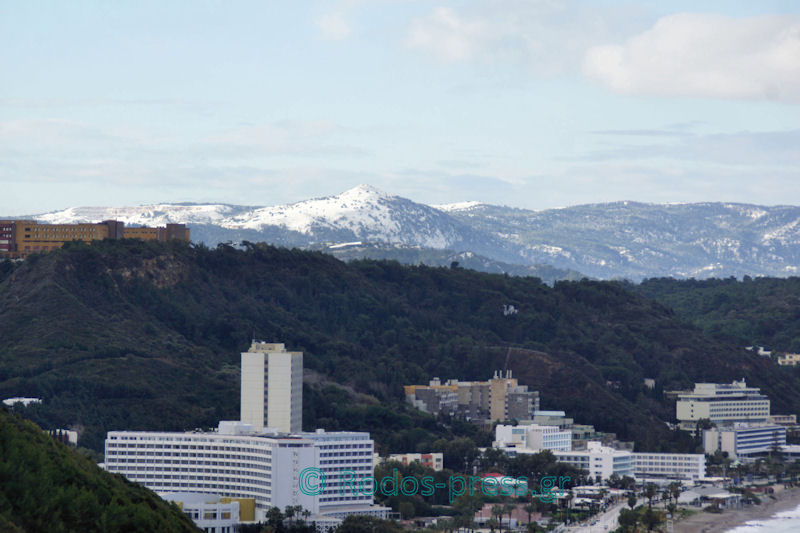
(743, 440)
(531, 438)
(677, 466)
(601, 462)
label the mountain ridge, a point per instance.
(613, 240)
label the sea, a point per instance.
(782, 522)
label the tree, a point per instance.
(675, 490)
(650, 492)
(651, 519)
(632, 501)
(628, 518)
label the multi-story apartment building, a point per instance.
(272, 387)
(678, 466)
(721, 403)
(601, 462)
(531, 438)
(500, 398)
(19, 238)
(744, 439)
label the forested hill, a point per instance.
(750, 312)
(45, 486)
(133, 335)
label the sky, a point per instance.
(532, 104)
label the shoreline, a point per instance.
(702, 522)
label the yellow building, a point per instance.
(789, 359)
(19, 238)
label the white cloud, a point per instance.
(547, 36)
(705, 55)
(450, 36)
(334, 27)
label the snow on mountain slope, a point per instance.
(613, 240)
(148, 215)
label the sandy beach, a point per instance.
(702, 522)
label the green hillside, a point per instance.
(760, 311)
(45, 486)
(132, 335)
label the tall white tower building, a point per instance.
(272, 387)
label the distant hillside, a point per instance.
(412, 255)
(45, 486)
(620, 240)
(751, 312)
(133, 335)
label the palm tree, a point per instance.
(497, 510)
(530, 508)
(650, 492)
(675, 490)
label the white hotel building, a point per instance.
(722, 403)
(678, 466)
(275, 466)
(237, 462)
(531, 438)
(601, 462)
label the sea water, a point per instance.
(782, 522)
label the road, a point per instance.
(607, 521)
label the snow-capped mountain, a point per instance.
(617, 240)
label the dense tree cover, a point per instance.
(138, 335)
(46, 486)
(750, 312)
(428, 491)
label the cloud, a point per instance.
(547, 36)
(333, 26)
(451, 37)
(707, 56)
(754, 149)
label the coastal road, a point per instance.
(605, 522)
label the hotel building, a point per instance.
(272, 387)
(601, 462)
(532, 438)
(724, 403)
(237, 461)
(678, 466)
(742, 440)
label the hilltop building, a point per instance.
(19, 238)
(789, 359)
(272, 387)
(721, 403)
(500, 398)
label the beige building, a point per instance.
(500, 398)
(789, 359)
(722, 403)
(272, 387)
